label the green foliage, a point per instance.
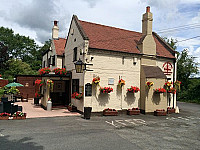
(17, 67)
(186, 66)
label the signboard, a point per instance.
(88, 89)
(110, 81)
(167, 68)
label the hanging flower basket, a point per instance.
(106, 89)
(121, 82)
(168, 84)
(110, 112)
(160, 90)
(133, 89)
(149, 84)
(44, 71)
(96, 80)
(60, 71)
(4, 116)
(172, 90)
(39, 82)
(50, 84)
(177, 84)
(77, 95)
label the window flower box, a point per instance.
(44, 71)
(72, 108)
(159, 90)
(106, 89)
(160, 112)
(170, 110)
(4, 116)
(60, 71)
(19, 115)
(133, 89)
(110, 112)
(133, 111)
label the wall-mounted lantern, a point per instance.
(80, 66)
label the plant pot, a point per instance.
(170, 110)
(160, 113)
(4, 117)
(87, 112)
(19, 117)
(72, 108)
(36, 101)
(133, 112)
(110, 113)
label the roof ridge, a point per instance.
(110, 26)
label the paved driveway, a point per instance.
(143, 132)
(34, 111)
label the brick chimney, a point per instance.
(55, 30)
(147, 44)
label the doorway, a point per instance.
(61, 93)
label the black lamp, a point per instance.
(79, 66)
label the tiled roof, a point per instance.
(60, 45)
(116, 39)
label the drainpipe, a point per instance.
(174, 78)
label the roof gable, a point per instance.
(59, 45)
(116, 39)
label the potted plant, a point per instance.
(96, 80)
(60, 71)
(121, 82)
(37, 98)
(159, 90)
(71, 107)
(170, 110)
(110, 112)
(149, 84)
(44, 71)
(160, 112)
(4, 116)
(19, 115)
(133, 111)
(133, 89)
(76, 95)
(106, 89)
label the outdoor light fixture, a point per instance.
(80, 66)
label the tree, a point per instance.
(3, 57)
(186, 67)
(17, 67)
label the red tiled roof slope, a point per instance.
(60, 46)
(116, 39)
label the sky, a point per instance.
(178, 19)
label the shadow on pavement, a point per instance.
(23, 143)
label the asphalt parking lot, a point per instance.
(175, 131)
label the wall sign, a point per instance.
(88, 89)
(110, 81)
(167, 68)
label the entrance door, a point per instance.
(60, 94)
